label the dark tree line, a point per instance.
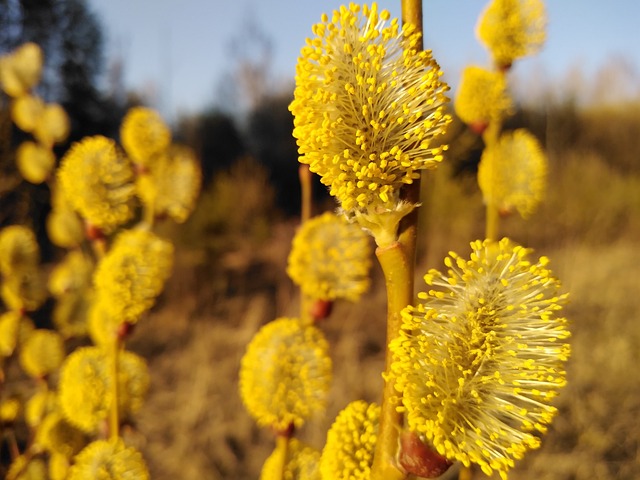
(72, 40)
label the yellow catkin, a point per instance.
(18, 249)
(20, 70)
(10, 408)
(108, 460)
(132, 274)
(9, 329)
(351, 441)
(330, 259)
(85, 393)
(144, 135)
(73, 273)
(512, 173)
(52, 125)
(64, 227)
(34, 162)
(39, 406)
(482, 96)
(512, 29)
(57, 436)
(285, 373)
(171, 184)
(25, 290)
(42, 353)
(25, 112)
(482, 354)
(97, 180)
(368, 107)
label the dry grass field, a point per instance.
(195, 427)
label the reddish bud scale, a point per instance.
(124, 330)
(287, 432)
(478, 127)
(505, 212)
(321, 309)
(139, 169)
(419, 459)
(93, 232)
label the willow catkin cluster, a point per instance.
(512, 29)
(9, 324)
(351, 441)
(482, 356)
(285, 373)
(132, 274)
(97, 180)
(368, 107)
(85, 386)
(170, 184)
(109, 460)
(20, 70)
(64, 227)
(168, 176)
(482, 96)
(144, 135)
(47, 123)
(512, 172)
(70, 283)
(42, 352)
(56, 435)
(23, 285)
(18, 249)
(330, 258)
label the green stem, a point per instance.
(398, 274)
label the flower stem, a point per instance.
(492, 217)
(492, 222)
(282, 450)
(114, 420)
(148, 216)
(407, 233)
(397, 273)
(466, 473)
(306, 188)
(397, 262)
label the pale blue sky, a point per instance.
(181, 48)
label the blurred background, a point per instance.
(222, 74)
